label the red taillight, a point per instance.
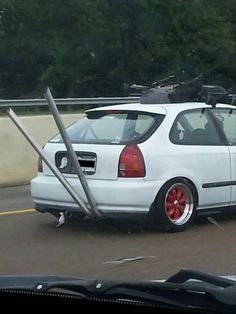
(40, 165)
(131, 163)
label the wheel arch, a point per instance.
(158, 214)
(184, 179)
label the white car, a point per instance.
(171, 161)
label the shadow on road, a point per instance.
(139, 226)
(111, 226)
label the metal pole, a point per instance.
(72, 154)
(53, 168)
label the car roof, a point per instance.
(160, 108)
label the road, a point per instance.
(30, 243)
(15, 198)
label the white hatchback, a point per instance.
(171, 161)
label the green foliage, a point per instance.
(95, 47)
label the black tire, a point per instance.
(173, 211)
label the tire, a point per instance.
(174, 208)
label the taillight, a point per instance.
(131, 163)
(40, 165)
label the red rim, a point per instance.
(175, 203)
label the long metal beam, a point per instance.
(53, 108)
(53, 168)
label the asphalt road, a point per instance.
(15, 198)
(30, 243)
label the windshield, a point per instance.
(112, 127)
(142, 189)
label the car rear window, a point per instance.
(113, 127)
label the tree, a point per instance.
(94, 47)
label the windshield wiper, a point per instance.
(187, 289)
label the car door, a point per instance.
(204, 156)
(227, 119)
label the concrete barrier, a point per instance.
(18, 160)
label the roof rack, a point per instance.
(212, 94)
(165, 91)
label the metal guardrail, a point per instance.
(68, 101)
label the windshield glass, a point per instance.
(146, 185)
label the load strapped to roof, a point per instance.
(165, 92)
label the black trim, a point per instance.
(69, 169)
(231, 209)
(218, 184)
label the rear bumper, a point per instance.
(118, 196)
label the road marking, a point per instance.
(20, 211)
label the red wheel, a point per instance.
(179, 203)
(175, 205)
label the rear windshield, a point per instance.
(113, 127)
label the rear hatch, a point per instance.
(97, 161)
(99, 139)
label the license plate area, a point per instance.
(87, 161)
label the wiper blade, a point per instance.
(223, 289)
(186, 274)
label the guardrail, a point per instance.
(68, 101)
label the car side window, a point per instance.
(227, 121)
(194, 127)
